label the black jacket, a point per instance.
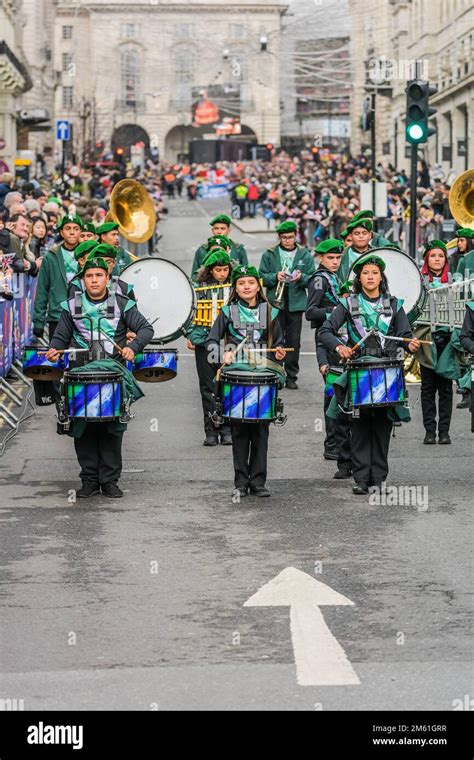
(220, 328)
(466, 337)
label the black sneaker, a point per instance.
(260, 491)
(88, 490)
(464, 404)
(226, 440)
(112, 491)
(241, 490)
(430, 438)
(342, 474)
(444, 438)
(360, 488)
(211, 440)
(332, 455)
(292, 385)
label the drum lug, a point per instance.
(125, 414)
(216, 416)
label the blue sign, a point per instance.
(63, 131)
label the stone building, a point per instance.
(131, 71)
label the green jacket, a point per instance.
(271, 264)
(466, 264)
(51, 290)
(237, 253)
(123, 259)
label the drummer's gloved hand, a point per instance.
(38, 332)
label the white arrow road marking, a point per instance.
(320, 659)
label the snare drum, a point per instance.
(164, 296)
(380, 383)
(404, 280)
(249, 396)
(153, 366)
(93, 396)
(37, 367)
(333, 374)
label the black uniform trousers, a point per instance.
(342, 432)
(206, 374)
(291, 323)
(249, 449)
(99, 453)
(329, 424)
(432, 383)
(370, 443)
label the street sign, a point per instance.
(63, 131)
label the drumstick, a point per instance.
(63, 350)
(234, 352)
(408, 340)
(269, 350)
(115, 345)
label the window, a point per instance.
(130, 70)
(67, 63)
(67, 32)
(184, 68)
(184, 30)
(67, 97)
(130, 31)
(238, 31)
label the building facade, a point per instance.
(388, 38)
(132, 71)
(14, 80)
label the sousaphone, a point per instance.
(132, 207)
(461, 202)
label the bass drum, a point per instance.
(404, 280)
(164, 296)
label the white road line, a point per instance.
(320, 659)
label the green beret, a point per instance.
(221, 219)
(105, 249)
(69, 219)
(84, 248)
(218, 241)
(365, 223)
(89, 227)
(331, 245)
(54, 199)
(93, 263)
(344, 233)
(465, 232)
(367, 214)
(244, 271)
(368, 258)
(434, 244)
(286, 227)
(216, 257)
(107, 227)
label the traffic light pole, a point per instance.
(63, 165)
(373, 150)
(413, 170)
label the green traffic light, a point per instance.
(415, 132)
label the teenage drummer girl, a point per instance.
(249, 439)
(99, 444)
(435, 271)
(370, 307)
(215, 271)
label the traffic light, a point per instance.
(119, 155)
(418, 111)
(367, 114)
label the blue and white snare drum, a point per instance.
(93, 396)
(37, 367)
(380, 383)
(333, 374)
(249, 396)
(154, 366)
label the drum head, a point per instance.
(164, 295)
(404, 278)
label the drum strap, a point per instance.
(110, 304)
(355, 308)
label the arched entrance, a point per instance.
(128, 135)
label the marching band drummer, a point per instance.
(215, 271)
(247, 305)
(324, 294)
(371, 306)
(99, 445)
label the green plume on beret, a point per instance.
(465, 232)
(216, 257)
(244, 271)
(221, 219)
(287, 226)
(218, 241)
(93, 263)
(331, 245)
(430, 244)
(69, 219)
(368, 258)
(105, 249)
(107, 227)
(365, 223)
(365, 214)
(84, 248)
